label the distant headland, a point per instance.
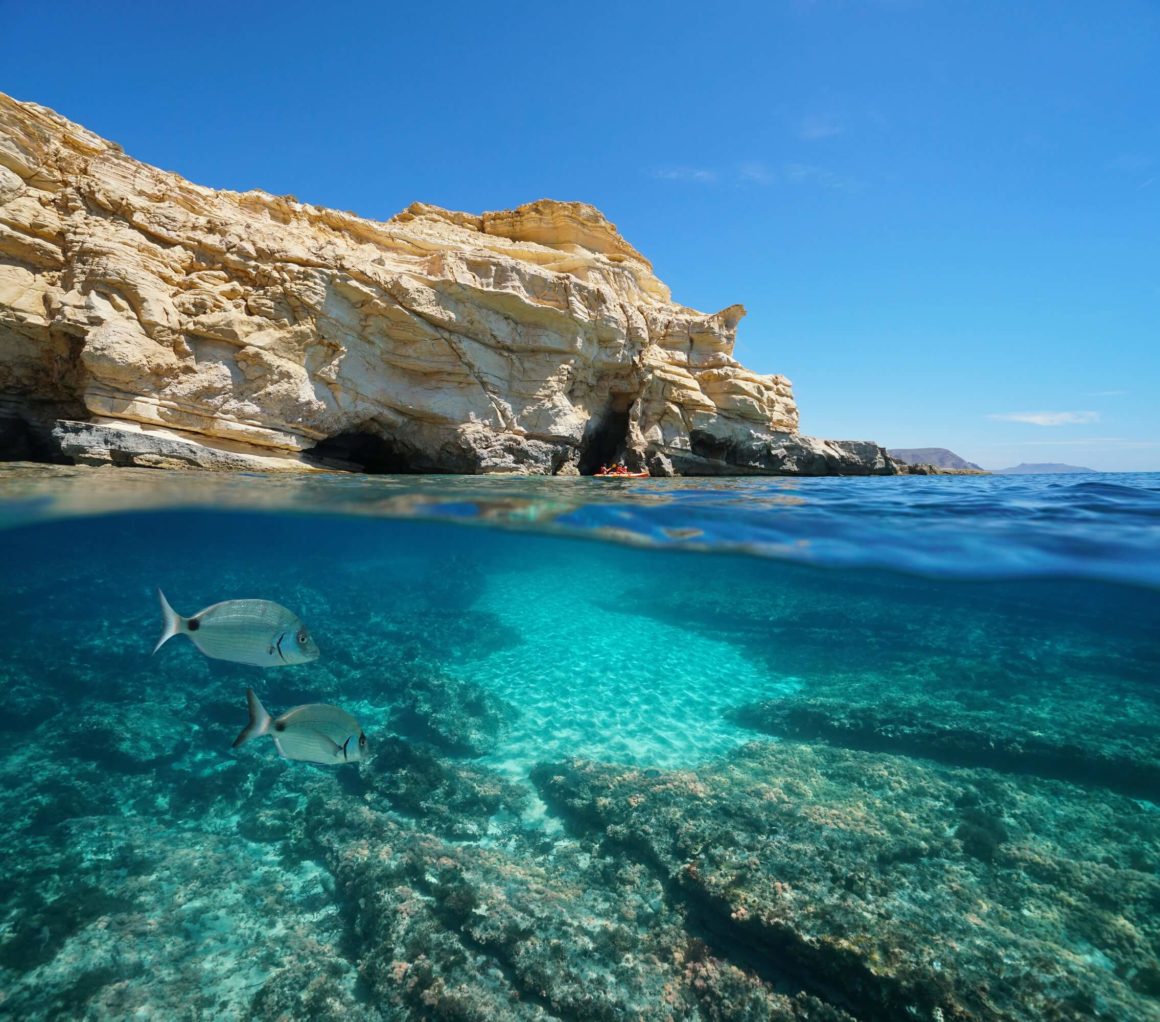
(1041, 468)
(933, 457)
(146, 320)
(940, 460)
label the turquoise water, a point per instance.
(688, 749)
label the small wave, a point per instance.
(952, 526)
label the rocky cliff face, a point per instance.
(187, 325)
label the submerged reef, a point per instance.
(1019, 677)
(1028, 738)
(459, 716)
(689, 869)
(786, 881)
(893, 889)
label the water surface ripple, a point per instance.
(1101, 527)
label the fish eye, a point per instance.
(362, 741)
(302, 637)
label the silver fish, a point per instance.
(314, 733)
(254, 632)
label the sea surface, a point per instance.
(800, 749)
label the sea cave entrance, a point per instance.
(606, 438)
(363, 451)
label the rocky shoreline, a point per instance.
(149, 321)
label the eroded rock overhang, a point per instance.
(168, 323)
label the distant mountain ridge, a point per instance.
(1042, 468)
(939, 457)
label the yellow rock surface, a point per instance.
(496, 342)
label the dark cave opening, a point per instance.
(26, 439)
(606, 437)
(358, 451)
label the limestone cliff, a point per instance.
(227, 326)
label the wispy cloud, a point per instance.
(1108, 393)
(807, 173)
(699, 175)
(1047, 418)
(817, 126)
(752, 172)
(756, 173)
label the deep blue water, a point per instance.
(621, 622)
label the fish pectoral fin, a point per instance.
(330, 743)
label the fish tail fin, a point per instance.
(172, 622)
(259, 719)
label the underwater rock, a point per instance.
(257, 326)
(1126, 761)
(893, 889)
(27, 704)
(314, 983)
(526, 928)
(123, 738)
(1012, 676)
(459, 716)
(451, 798)
(127, 918)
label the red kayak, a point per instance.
(621, 475)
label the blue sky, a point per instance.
(943, 217)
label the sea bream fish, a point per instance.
(314, 733)
(254, 632)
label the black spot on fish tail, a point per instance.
(193, 624)
(279, 725)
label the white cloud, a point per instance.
(806, 173)
(1047, 418)
(755, 173)
(700, 175)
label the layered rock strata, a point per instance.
(532, 340)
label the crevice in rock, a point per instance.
(775, 954)
(900, 733)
